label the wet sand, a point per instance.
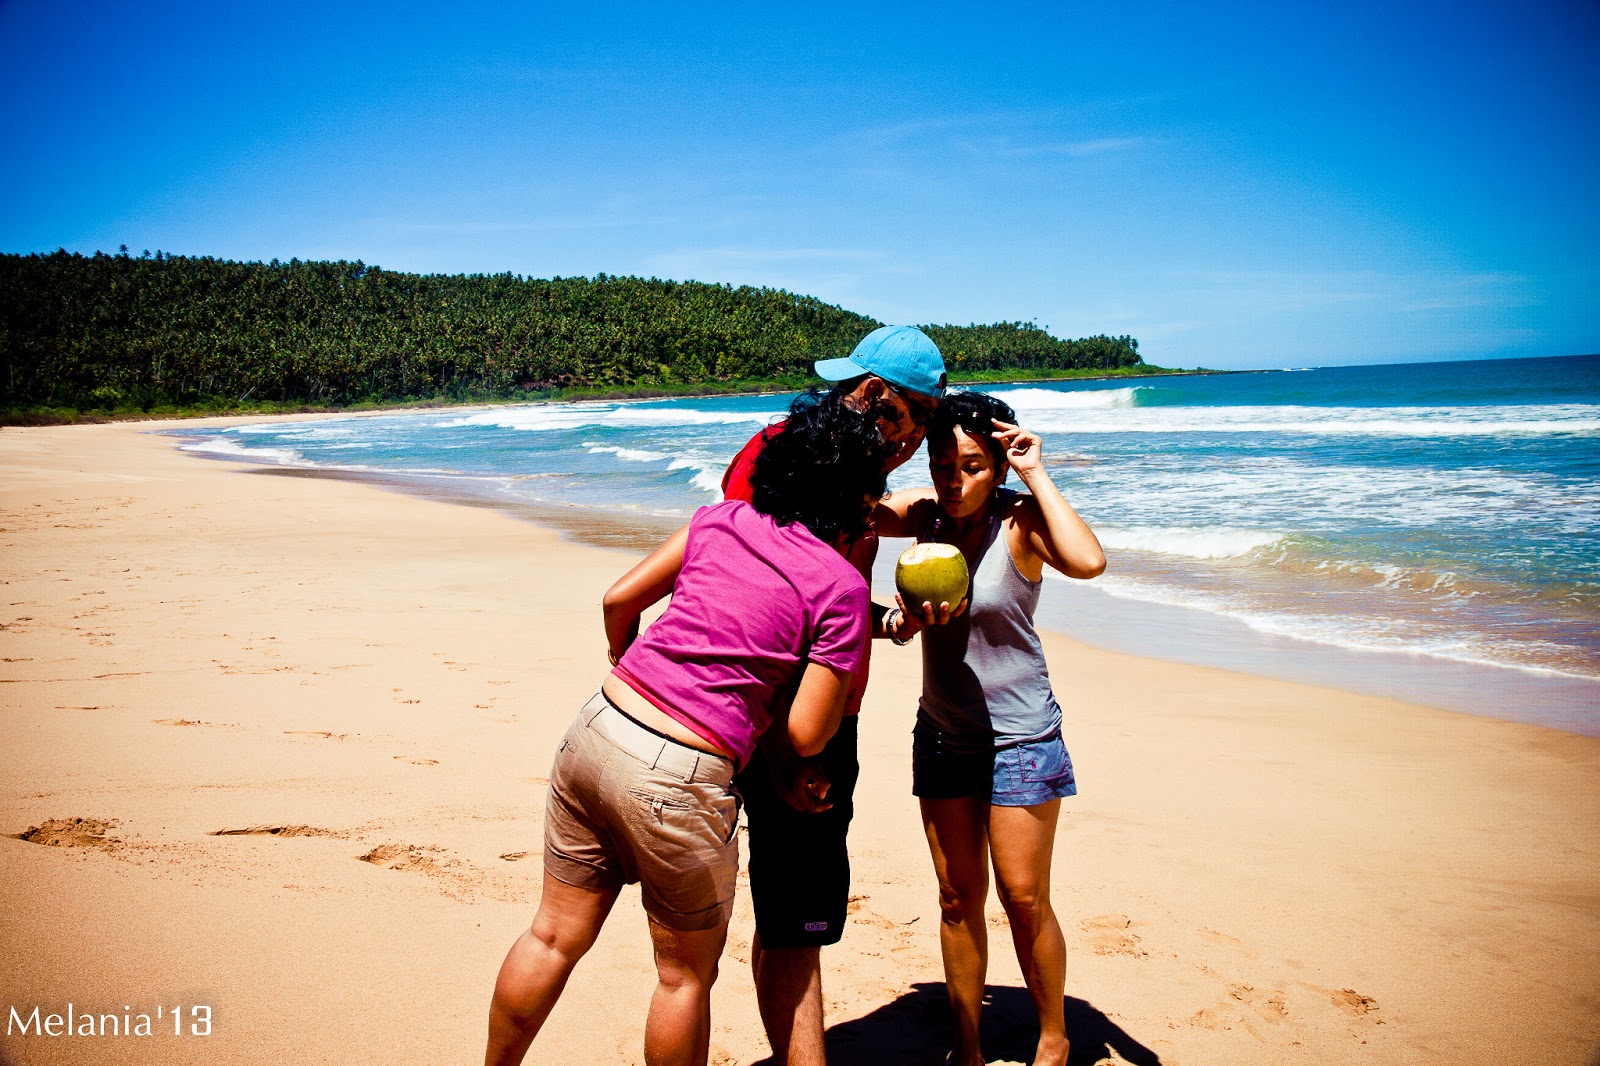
(279, 745)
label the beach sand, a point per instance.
(287, 739)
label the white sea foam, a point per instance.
(222, 446)
(632, 455)
(1366, 633)
(1024, 399)
(707, 469)
(1305, 496)
(1189, 543)
(1426, 422)
(548, 417)
(303, 430)
(707, 474)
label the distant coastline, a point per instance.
(68, 416)
(111, 336)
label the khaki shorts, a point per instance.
(627, 804)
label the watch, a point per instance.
(895, 614)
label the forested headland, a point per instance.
(169, 334)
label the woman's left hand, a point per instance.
(1024, 449)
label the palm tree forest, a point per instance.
(123, 335)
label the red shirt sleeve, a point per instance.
(736, 480)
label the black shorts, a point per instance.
(799, 865)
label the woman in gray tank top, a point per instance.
(989, 766)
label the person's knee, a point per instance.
(1026, 906)
(958, 902)
(680, 978)
(790, 968)
(801, 960)
(570, 940)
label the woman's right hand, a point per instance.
(803, 784)
(926, 615)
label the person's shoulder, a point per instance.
(1013, 502)
(723, 513)
(901, 514)
(1019, 509)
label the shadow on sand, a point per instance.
(915, 1030)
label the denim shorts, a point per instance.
(1017, 775)
(627, 804)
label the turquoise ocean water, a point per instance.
(1430, 531)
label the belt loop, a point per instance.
(694, 770)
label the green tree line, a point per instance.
(137, 332)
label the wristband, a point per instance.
(895, 614)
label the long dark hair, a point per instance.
(822, 468)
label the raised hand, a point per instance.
(1024, 449)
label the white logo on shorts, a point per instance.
(816, 927)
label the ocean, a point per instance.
(1427, 531)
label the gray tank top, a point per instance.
(984, 679)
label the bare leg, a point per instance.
(957, 832)
(789, 993)
(538, 965)
(678, 1029)
(1023, 840)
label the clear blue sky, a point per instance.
(1235, 185)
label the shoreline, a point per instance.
(1084, 612)
(598, 394)
(288, 735)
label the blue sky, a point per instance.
(1235, 185)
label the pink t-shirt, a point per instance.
(754, 603)
(738, 484)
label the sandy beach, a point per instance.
(286, 739)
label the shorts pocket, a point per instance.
(703, 811)
(1038, 772)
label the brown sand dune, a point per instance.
(336, 850)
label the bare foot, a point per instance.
(1052, 1052)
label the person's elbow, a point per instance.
(810, 740)
(1090, 565)
(620, 598)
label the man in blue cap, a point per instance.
(799, 864)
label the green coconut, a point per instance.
(931, 573)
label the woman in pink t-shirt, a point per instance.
(767, 623)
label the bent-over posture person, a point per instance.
(989, 766)
(766, 613)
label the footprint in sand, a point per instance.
(430, 860)
(516, 856)
(323, 733)
(72, 833)
(861, 914)
(414, 761)
(1109, 935)
(1354, 1003)
(1271, 1005)
(276, 831)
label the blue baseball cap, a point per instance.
(901, 355)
